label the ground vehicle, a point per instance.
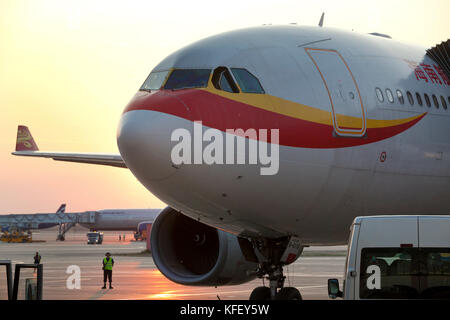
(16, 237)
(141, 233)
(95, 237)
(397, 257)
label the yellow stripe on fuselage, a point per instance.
(304, 112)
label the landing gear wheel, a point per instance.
(260, 293)
(289, 293)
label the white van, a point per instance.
(396, 257)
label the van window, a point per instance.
(247, 81)
(154, 81)
(405, 273)
(187, 78)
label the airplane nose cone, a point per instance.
(144, 145)
(144, 139)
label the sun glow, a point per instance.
(68, 69)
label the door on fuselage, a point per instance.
(345, 99)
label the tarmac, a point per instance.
(135, 275)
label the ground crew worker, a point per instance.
(37, 259)
(108, 264)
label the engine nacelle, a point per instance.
(191, 253)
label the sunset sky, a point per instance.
(68, 68)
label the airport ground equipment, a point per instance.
(7, 264)
(39, 280)
(142, 230)
(396, 257)
(95, 237)
(105, 220)
(63, 228)
(140, 236)
(16, 237)
(20, 222)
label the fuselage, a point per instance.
(121, 219)
(344, 150)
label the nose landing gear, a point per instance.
(272, 256)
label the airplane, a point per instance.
(121, 219)
(100, 220)
(360, 126)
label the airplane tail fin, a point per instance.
(25, 141)
(321, 19)
(62, 208)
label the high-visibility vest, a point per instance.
(108, 263)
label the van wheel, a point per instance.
(289, 293)
(260, 293)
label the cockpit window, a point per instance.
(187, 78)
(223, 80)
(154, 81)
(247, 82)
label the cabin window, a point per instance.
(389, 95)
(154, 81)
(379, 94)
(247, 81)
(444, 103)
(427, 100)
(410, 98)
(222, 80)
(419, 99)
(187, 78)
(400, 97)
(435, 101)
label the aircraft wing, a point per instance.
(25, 146)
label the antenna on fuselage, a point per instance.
(321, 20)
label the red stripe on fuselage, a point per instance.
(221, 113)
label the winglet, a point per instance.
(321, 19)
(25, 141)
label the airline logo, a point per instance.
(25, 141)
(429, 74)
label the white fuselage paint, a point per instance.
(317, 192)
(121, 219)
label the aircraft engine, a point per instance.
(191, 253)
